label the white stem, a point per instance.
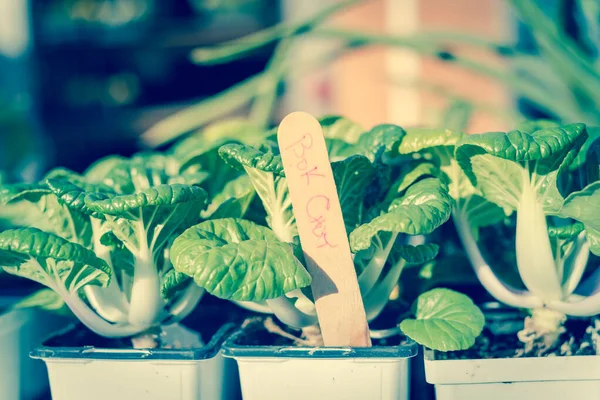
(110, 302)
(369, 276)
(105, 301)
(186, 303)
(489, 280)
(96, 323)
(379, 296)
(585, 308)
(535, 260)
(259, 307)
(287, 313)
(146, 303)
(577, 262)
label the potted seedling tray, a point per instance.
(467, 375)
(272, 367)
(78, 360)
(20, 331)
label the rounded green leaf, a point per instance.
(238, 260)
(445, 320)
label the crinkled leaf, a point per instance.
(173, 283)
(499, 164)
(445, 320)
(155, 214)
(425, 206)
(382, 139)
(570, 231)
(51, 260)
(238, 260)
(239, 156)
(54, 215)
(414, 255)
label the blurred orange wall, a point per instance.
(370, 84)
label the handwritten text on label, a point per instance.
(317, 206)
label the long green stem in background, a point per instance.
(194, 117)
(520, 85)
(263, 87)
(558, 47)
(221, 105)
(264, 102)
(238, 48)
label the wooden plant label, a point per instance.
(322, 232)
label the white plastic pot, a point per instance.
(157, 374)
(271, 372)
(576, 377)
(22, 378)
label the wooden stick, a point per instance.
(322, 232)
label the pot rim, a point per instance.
(210, 350)
(232, 349)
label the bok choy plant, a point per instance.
(258, 261)
(544, 176)
(101, 240)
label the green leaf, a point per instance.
(584, 206)
(53, 214)
(71, 195)
(501, 165)
(239, 156)
(352, 177)
(173, 283)
(45, 299)
(565, 232)
(337, 127)
(238, 260)
(381, 140)
(233, 201)
(51, 260)
(530, 126)
(420, 170)
(445, 320)
(99, 170)
(338, 149)
(425, 206)
(418, 139)
(147, 220)
(414, 255)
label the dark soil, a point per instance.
(257, 335)
(209, 316)
(576, 341)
